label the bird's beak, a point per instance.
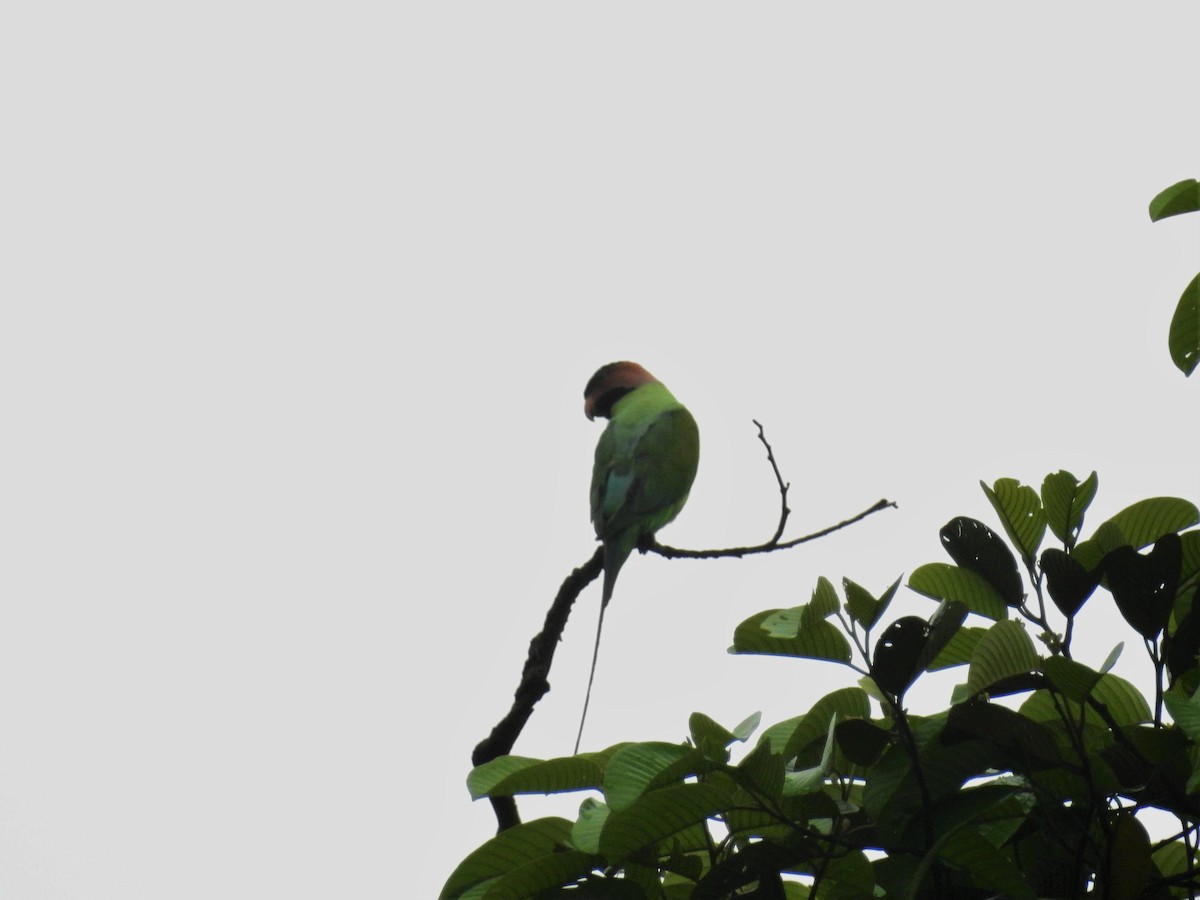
(588, 409)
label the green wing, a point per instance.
(641, 486)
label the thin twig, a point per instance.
(784, 511)
(653, 546)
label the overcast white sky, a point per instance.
(299, 303)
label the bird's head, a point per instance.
(610, 384)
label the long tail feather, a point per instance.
(591, 677)
(614, 558)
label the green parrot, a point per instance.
(645, 464)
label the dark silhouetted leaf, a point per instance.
(1144, 586)
(974, 546)
(1068, 582)
(860, 741)
(894, 665)
(943, 625)
(1182, 197)
(1021, 683)
(1138, 525)
(1183, 644)
(1131, 870)
(1032, 741)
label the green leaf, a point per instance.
(1183, 339)
(988, 866)
(1131, 870)
(507, 851)
(1124, 702)
(974, 546)
(506, 776)
(1185, 712)
(1113, 656)
(743, 729)
(1065, 500)
(824, 602)
(1182, 197)
(941, 581)
(958, 652)
(1071, 678)
(846, 703)
(777, 632)
(636, 768)
(585, 833)
(862, 605)
(659, 814)
(809, 781)
(1171, 859)
(711, 738)
(859, 603)
(1143, 523)
(1005, 650)
(1021, 514)
(544, 873)
(763, 769)
(850, 875)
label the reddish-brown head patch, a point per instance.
(610, 384)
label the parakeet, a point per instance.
(645, 464)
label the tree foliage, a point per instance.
(1034, 782)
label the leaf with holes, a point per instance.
(974, 546)
(1068, 582)
(1144, 586)
(894, 665)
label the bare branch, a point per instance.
(534, 680)
(770, 547)
(784, 512)
(534, 677)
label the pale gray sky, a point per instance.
(300, 303)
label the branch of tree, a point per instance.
(535, 675)
(534, 681)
